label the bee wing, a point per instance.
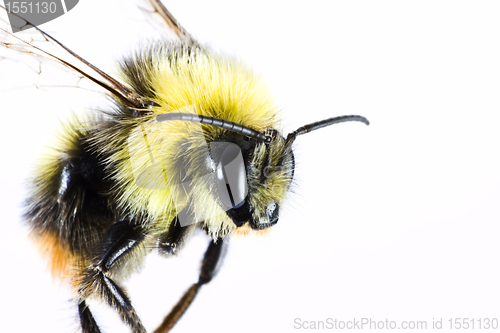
(47, 49)
(13, 50)
(161, 19)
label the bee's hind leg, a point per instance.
(87, 321)
(122, 238)
(209, 267)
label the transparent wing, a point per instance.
(52, 64)
(41, 46)
(161, 20)
(14, 52)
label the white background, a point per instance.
(398, 220)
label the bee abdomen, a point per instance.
(69, 209)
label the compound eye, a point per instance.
(232, 177)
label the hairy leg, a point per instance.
(209, 267)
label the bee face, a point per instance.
(246, 179)
(270, 170)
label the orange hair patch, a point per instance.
(246, 230)
(59, 258)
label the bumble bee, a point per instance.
(192, 142)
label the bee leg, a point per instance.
(170, 241)
(121, 240)
(209, 267)
(87, 321)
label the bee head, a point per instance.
(262, 174)
(267, 169)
